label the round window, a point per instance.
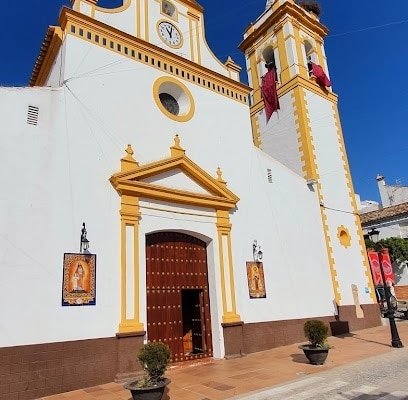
(169, 103)
(344, 236)
(173, 98)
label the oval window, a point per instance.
(169, 103)
(173, 99)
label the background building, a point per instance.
(391, 217)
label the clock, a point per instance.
(169, 34)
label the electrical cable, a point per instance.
(29, 256)
(368, 28)
(342, 211)
(110, 135)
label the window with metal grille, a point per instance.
(32, 115)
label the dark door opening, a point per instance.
(192, 301)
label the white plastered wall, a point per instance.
(106, 103)
(279, 215)
(337, 198)
(53, 180)
(278, 137)
(54, 78)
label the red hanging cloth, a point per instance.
(269, 93)
(321, 77)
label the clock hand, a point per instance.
(169, 31)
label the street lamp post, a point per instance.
(395, 339)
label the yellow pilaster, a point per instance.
(138, 19)
(352, 196)
(319, 51)
(256, 84)
(303, 72)
(226, 268)
(305, 140)
(130, 215)
(310, 172)
(146, 4)
(285, 71)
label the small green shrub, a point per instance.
(316, 332)
(154, 358)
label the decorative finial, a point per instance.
(128, 162)
(176, 150)
(219, 176)
(232, 65)
(129, 151)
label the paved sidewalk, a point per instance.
(224, 379)
(381, 377)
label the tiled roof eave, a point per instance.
(386, 214)
(49, 47)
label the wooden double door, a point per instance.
(178, 303)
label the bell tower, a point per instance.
(288, 36)
(305, 133)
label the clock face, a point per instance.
(169, 34)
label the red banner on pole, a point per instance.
(387, 266)
(375, 267)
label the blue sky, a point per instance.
(367, 51)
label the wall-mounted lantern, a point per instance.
(84, 246)
(256, 249)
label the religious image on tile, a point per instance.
(256, 280)
(79, 279)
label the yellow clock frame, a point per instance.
(175, 27)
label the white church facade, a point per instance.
(209, 228)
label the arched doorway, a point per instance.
(178, 303)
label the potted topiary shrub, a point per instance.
(317, 333)
(154, 358)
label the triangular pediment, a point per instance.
(176, 179)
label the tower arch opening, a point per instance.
(309, 56)
(268, 55)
